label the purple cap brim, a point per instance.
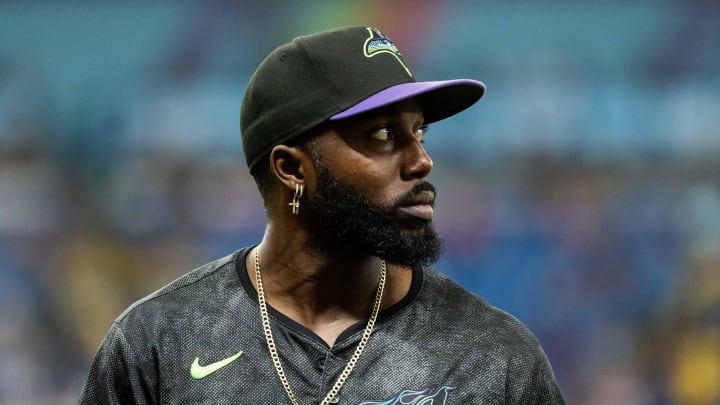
(440, 99)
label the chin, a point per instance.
(416, 227)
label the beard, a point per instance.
(344, 220)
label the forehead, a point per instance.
(334, 138)
(341, 133)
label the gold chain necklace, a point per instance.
(351, 363)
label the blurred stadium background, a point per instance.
(582, 194)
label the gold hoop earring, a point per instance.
(295, 204)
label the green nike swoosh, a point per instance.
(198, 372)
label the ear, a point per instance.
(290, 165)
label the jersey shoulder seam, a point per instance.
(181, 282)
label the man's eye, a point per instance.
(382, 134)
(420, 133)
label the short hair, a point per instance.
(264, 180)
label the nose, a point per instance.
(416, 162)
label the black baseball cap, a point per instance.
(333, 75)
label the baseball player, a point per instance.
(337, 303)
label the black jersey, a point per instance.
(199, 340)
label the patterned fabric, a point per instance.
(439, 345)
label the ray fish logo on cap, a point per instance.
(377, 43)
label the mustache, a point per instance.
(412, 196)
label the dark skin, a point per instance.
(380, 154)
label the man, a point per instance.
(336, 304)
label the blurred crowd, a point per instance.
(610, 254)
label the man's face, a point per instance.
(371, 196)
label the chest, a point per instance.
(389, 371)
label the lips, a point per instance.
(419, 205)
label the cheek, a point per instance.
(375, 186)
(379, 188)
(375, 177)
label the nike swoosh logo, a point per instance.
(199, 372)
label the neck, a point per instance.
(323, 291)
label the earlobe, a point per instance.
(289, 165)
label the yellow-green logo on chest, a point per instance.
(199, 372)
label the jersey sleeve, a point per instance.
(540, 385)
(118, 375)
